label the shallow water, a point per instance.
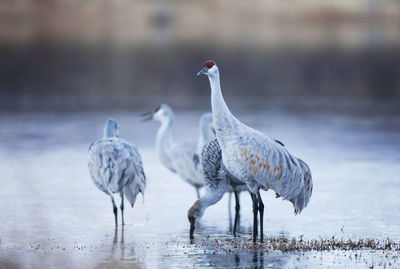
(52, 214)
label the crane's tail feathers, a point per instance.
(131, 193)
(301, 200)
(133, 189)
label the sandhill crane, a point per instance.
(256, 159)
(180, 158)
(115, 166)
(217, 181)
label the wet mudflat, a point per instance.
(53, 215)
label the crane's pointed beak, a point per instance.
(203, 71)
(147, 116)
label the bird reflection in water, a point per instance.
(260, 259)
(121, 244)
(117, 257)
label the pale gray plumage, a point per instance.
(179, 158)
(213, 169)
(269, 165)
(115, 166)
(254, 158)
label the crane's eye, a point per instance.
(157, 109)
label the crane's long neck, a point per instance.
(110, 132)
(223, 119)
(211, 196)
(164, 136)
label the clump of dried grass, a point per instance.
(299, 244)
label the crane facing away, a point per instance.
(115, 166)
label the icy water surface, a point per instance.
(53, 215)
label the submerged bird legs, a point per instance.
(122, 207)
(237, 212)
(258, 206)
(115, 208)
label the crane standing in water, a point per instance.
(217, 181)
(256, 159)
(180, 158)
(115, 166)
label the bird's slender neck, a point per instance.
(164, 134)
(211, 196)
(109, 133)
(222, 116)
(218, 104)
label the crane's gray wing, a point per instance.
(211, 163)
(116, 166)
(181, 156)
(279, 142)
(196, 160)
(95, 166)
(213, 168)
(216, 182)
(273, 167)
(302, 199)
(138, 183)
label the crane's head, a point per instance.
(111, 129)
(209, 69)
(161, 113)
(194, 213)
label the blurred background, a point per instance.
(322, 76)
(71, 55)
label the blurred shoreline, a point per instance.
(47, 78)
(101, 55)
(298, 105)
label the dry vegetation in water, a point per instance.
(300, 244)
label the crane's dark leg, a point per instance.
(197, 192)
(255, 213)
(229, 211)
(192, 227)
(261, 209)
(122, 207)
(115, 210)
(237, 212)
